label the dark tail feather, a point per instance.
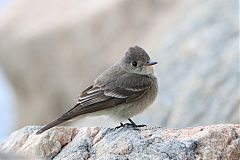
(65, 117)
(50, 125)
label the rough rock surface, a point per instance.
(62, 143)
(51, 50)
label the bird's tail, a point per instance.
(50, 125)
(65, 117)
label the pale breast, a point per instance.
(128, 110)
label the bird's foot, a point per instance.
(136, 125)
(120, 126)
(131, 124)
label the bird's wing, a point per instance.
(96, 98)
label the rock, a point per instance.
(201, 54)
(62, 143)
(26, 143)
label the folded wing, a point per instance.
(96, 98)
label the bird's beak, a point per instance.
(151, 63)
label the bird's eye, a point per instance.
(134, 63)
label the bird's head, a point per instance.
(136, 60)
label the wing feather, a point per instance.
(104, 95)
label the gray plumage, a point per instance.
(122, 91)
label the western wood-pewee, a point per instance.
(122, 91)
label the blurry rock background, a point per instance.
(52, 50)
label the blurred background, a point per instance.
(52, 50)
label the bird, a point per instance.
(122, 91)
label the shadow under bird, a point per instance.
(122, 91)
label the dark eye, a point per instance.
(134, 63)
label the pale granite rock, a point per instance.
(26, 143)
(62, 143)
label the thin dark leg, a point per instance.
(121, 125)
(131, 121)
(135, 125)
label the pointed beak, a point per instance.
(150, 63)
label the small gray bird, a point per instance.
(122, 91)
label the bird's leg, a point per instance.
(120, 126)
(134, 124)
(130, 124)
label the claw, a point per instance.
(132, 124)
(135, 125)
(120, 126)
